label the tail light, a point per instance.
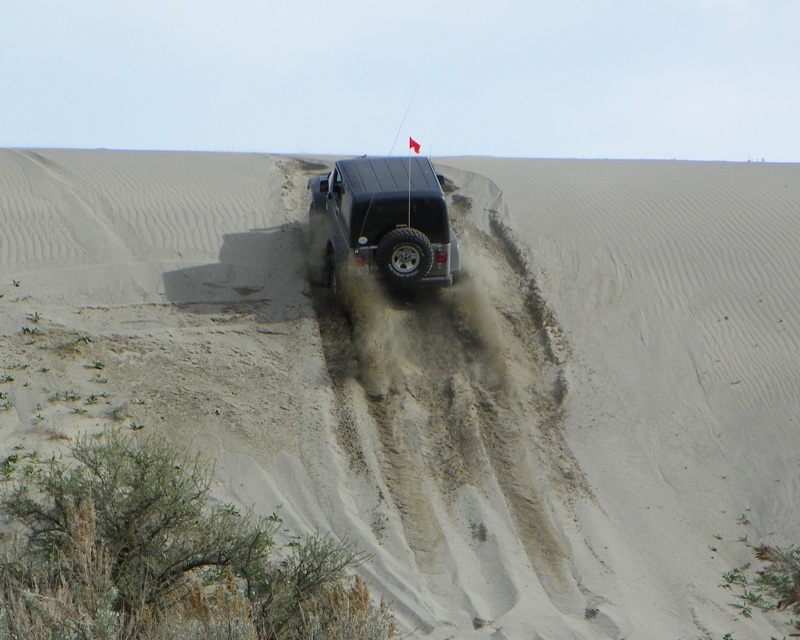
(359, 259)
(441, 257)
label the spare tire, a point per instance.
(405, 256)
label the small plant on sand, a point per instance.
(34, 317)
(74, 346)
(66, 396)
(8, 466)
(736, 576)
(118, 413)
(55, 434)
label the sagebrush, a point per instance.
(118, 540)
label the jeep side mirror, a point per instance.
(323, 185)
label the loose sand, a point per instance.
(561, 446)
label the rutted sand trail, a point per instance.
(462, 392)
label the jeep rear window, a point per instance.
(429, 215)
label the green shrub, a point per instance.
(147, 504)
(121, 543)
(315, 568)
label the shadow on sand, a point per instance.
(263, 270)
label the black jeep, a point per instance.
(381, 215)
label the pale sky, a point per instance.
(671, 79)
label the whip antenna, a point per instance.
(403, 121)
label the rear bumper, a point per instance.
(428, 282)
(435, 281)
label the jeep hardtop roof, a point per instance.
(376, 198)
(372, 176)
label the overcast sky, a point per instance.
(684, 79)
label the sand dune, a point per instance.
(559, 447)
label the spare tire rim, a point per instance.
(406, 258)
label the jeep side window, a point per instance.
(337, 183)
(331, 178)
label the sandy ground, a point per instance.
(562, 446)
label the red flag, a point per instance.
(413, 144)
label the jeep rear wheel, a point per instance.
(335, 274)
(405, 256)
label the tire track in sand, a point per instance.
(363, 358)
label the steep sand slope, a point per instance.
(674, 284)
(559, 447)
